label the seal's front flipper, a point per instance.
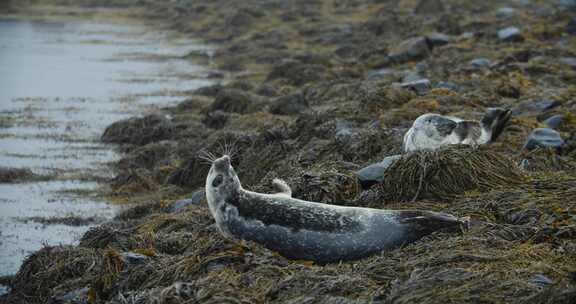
(421, 223)
(282, 187)
(495, 120)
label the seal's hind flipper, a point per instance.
(495, 120)
(422, 223)
(282, 187)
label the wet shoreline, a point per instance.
(64, 80)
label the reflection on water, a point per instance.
(61, 84)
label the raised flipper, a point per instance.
(495, 120)
(282, 187)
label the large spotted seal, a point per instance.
(300, 229)
(431, 131)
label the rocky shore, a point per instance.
(315, 92)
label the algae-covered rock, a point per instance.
(448, 172)
(139, 131)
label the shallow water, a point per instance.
(61, 84)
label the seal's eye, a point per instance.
(217, 181)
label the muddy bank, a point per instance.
(320, 90)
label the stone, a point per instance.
(510, 34)
(411, 77)
(133, 258)
(438, 39)
(374, 173)
(571, 26)
(419, 86)
(479, 63)
(412, 49)
(567, 4)
(541, 279)
(554, 121)
(291, 104)
(181, 205)
(505, 12)
(544, 137)
(344, 130)
(449, 85)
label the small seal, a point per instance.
(431, 131)
(305, 230)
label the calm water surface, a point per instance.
(61, 84)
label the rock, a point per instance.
(569, 61)
(384, 73)
(411, 77)
(567, 4)
(505, 12)
(544, 137)
(418, 86)
(541, 279)
(554, 121)
(180, 205)
(449, 85)
(133, 258)
(571, 26)
(438, 39)
(233, 101)
(289, 104)
(429, 7)
(410, 50)
(374, 173)
(78, 296)
(479, 63)
(510, 34)
(344, 130)
(139, 131)
(534, 107)
(216, 119)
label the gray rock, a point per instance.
(510, 34)
(4, 290)
(571, 26)
(541, 279)
(479, 63)
(544, 137)
(382, 73)
(412, 76)
(554, 121)
(567, 4)
(133, 258)
(533, 107)
(374, 173)
(410, 50)
(419, 86)
(505, 12)
(344, 130)
(449, 85)
(196, 199)
(569, 61)
(438, 39)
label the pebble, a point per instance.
(374, 173)
(479, 63)
(554, 121)
(133, 258)
(181, 205)
(438, 39)
(543, 137)
(505, 12)
(510, 34)
(419, 86)
(569, 61)
(541, 279)
(412, 76)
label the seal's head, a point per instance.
(434, 126)
(222, 181)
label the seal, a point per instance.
(431, 131)
(305, 230)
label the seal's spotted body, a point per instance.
(307, 230)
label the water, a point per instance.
(61, 84)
